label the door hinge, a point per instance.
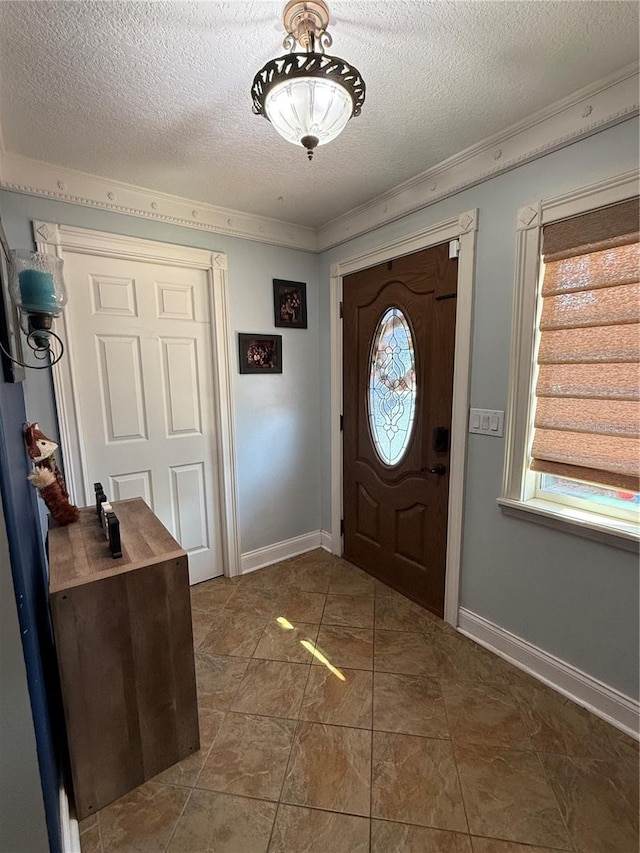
(341, 422)
(342, 527)
(454, 249)
(341, 310)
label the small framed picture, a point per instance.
(290, 304)
(260, 353)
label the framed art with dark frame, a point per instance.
(9, 320)
(260, 353)
(290, 304)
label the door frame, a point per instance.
(462, 228)
(54, 239)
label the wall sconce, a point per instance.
(36, 287)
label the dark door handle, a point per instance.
(436, 469)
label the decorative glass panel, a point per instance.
(392, 387)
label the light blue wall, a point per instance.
(277, 416)
(572, 597)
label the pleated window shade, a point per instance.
(587, 419)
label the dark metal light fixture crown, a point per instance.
(308, 97)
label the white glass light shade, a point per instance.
(309, 106)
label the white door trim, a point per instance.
(464, 229)
(55, 239)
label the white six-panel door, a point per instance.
(140, 349)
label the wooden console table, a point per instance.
(125, 652)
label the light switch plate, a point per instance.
(486, 422)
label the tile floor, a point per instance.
(401, 737)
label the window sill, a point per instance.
(619, 534)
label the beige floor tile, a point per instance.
(383, 590)
(233, 633)
(317, 557)
(201, 622)
(328, 699)
(599, 801)
(345, 646)
(583, 773)
(409, 704)
(507, 795)
(415, 781)
(353, 610)
(218, 679)
(310, 577)
(273, 688)
(397, 613)
(283, 642)
(387, 837)
(221, 823)
(90, 840)
(329, 768)
(625, 746)
(143, 820)
(399, 651)
(299, 606)
(87, 823)
(186, 772)
(249, 756)
(460, 659)
(301, 830)
(558, 725)
(210, 594)
(349, 580)
(492, 845)
(484, 714)
(268, 578)
(253, 602)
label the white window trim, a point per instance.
(517, 485)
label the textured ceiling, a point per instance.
(157, 94)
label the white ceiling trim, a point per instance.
(34, 177)
(588, 111)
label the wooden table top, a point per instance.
(79, 552)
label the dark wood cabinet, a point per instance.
(125, 652)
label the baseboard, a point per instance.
(326, 541)
(604, 701)
(262, 557)
(69, 827)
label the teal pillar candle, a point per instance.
(38, 292)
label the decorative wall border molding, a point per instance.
(587, 111)
(34, 177)
(604, 701)
(584, 113)
(261, 557)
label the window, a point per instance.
(392, 387)
(573, 449)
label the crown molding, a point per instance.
(34, 177)
(588, 111)
(603, 104)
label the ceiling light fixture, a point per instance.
(308, 97)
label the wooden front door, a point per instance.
(399, 329)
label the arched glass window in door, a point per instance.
(392, 387)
